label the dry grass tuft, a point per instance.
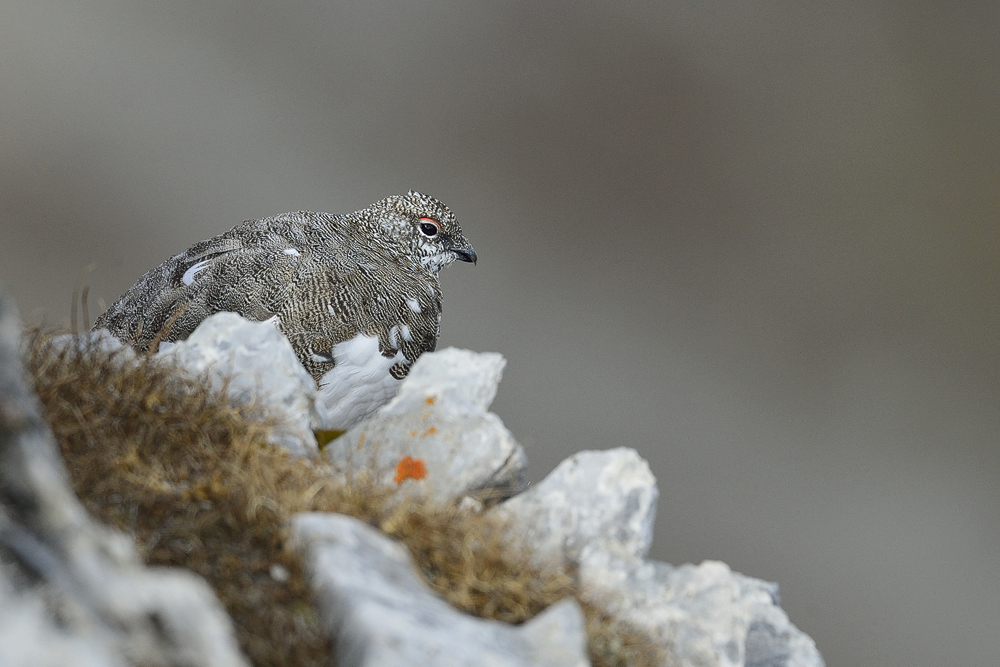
(155, 453)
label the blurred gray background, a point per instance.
(756, 241)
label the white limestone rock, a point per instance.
(257, 358)
(262, 369)
(596, 509)
(440, 417)
(29, 634)
(594, 499)
(71, 590)
(381, 614)
(706, 615)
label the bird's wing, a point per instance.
(189, 264)
(251, 280)
(221, 274)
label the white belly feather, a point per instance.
(358, 384)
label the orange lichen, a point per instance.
(430, 431)
(430, 400)
(410, 468)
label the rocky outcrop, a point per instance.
(596, 509)
(72, 589)
(440, 417)
(593, 501)
(257, 366)
(383, 615)
(252, 361)
(73, 592)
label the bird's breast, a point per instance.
(359, 383)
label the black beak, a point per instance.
(466, 254)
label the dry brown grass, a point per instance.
(153, 452)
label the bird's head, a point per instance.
(421, 229)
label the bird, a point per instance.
(356, 295)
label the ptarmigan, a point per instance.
(357, 295)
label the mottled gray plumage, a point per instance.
(326, 278)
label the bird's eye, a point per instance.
(429, 226)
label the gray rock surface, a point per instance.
(440, 416)
(382, 614)
(261, 369)
(73, 592)
(596, 509)
(255, 358)
(706, 615)
(596, 500)
(29, 634)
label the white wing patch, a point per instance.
(358, 384)
(413, 304)
(292, 251)
(193, 272)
